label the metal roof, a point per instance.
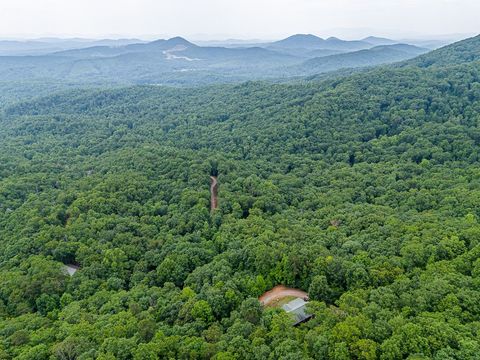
(297, 308)
(294, 304)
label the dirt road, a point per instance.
(213, 193)
(279, 292)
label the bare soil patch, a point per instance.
(213, 193)
(280, 292)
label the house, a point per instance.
(297, 308)
(71, 269)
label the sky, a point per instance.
(244, 19)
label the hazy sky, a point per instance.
(237, 18)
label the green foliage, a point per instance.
(362, 190)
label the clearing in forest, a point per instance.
(281, 295)
(213, 193)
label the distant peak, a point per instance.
(335, 40)
(304, 36)
(301, 40)
(375, 40)
(178, 40)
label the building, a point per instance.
(71, 269)
(297, 308)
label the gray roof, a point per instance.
(297, 308)
(294, 304)
(70, 269)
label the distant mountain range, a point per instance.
(313, 42)
(48, 45)
(178, 61)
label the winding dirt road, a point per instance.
(279, 292)
(213, 193)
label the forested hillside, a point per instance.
(378, 55)
(362, 190)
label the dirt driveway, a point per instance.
(279, 292)
(213, 192)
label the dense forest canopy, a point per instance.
(363, 190)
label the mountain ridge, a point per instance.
(177, 61)
(463, 51)
(382, 54)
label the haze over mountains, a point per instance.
(178, 61)
(44, 46)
